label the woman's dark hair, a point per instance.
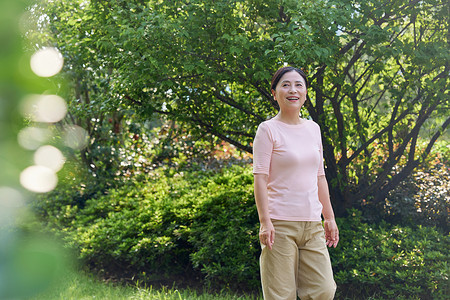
(280, 72)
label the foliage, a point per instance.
(204, 224)
(224, 232)
(378, 73)
(423, 198)
(171, 146)
(154, 225)
(75, 186)
(392, 262)
(165, 147)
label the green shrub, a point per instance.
(136, 228)
(206, 222)
(170, 224)
(76, 185)
(392, 262)
(423, 198)
(224, 232)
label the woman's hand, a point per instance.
(331, 233)
(267, 234)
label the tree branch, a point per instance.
(230, 101)
(374, 137)
(210, 129)
(411, 165)
(393, 160)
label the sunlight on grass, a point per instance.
(83, 287)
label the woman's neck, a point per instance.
(292, 118)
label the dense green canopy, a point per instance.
(378, 72)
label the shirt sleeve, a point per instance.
(321, 170)
(262, 150)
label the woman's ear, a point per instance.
(273, 94)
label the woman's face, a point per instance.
(290, 92)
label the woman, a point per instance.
(291, 194)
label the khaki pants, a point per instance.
(298, 263)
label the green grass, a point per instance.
(80, 286)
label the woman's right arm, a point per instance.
(267, 231)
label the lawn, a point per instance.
(81, 286)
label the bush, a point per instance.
(167, 225)
(224, 232)
(76, 185)
(390, 262)
(205, 222)
(423, 198)
(137, 228)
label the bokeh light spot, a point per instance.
(38, 179)
(76, 137)
(50, 157)
(44, 108)
(47, 62)
(32, 137)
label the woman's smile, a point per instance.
(290, 92)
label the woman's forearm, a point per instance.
(261, 197)
(324, 198)
(330, 226)
(266, 231)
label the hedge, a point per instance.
(204, 222)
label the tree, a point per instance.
(378, 73)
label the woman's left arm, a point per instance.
(331, 229)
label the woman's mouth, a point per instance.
(292, 99)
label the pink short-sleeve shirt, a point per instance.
(292, 157)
